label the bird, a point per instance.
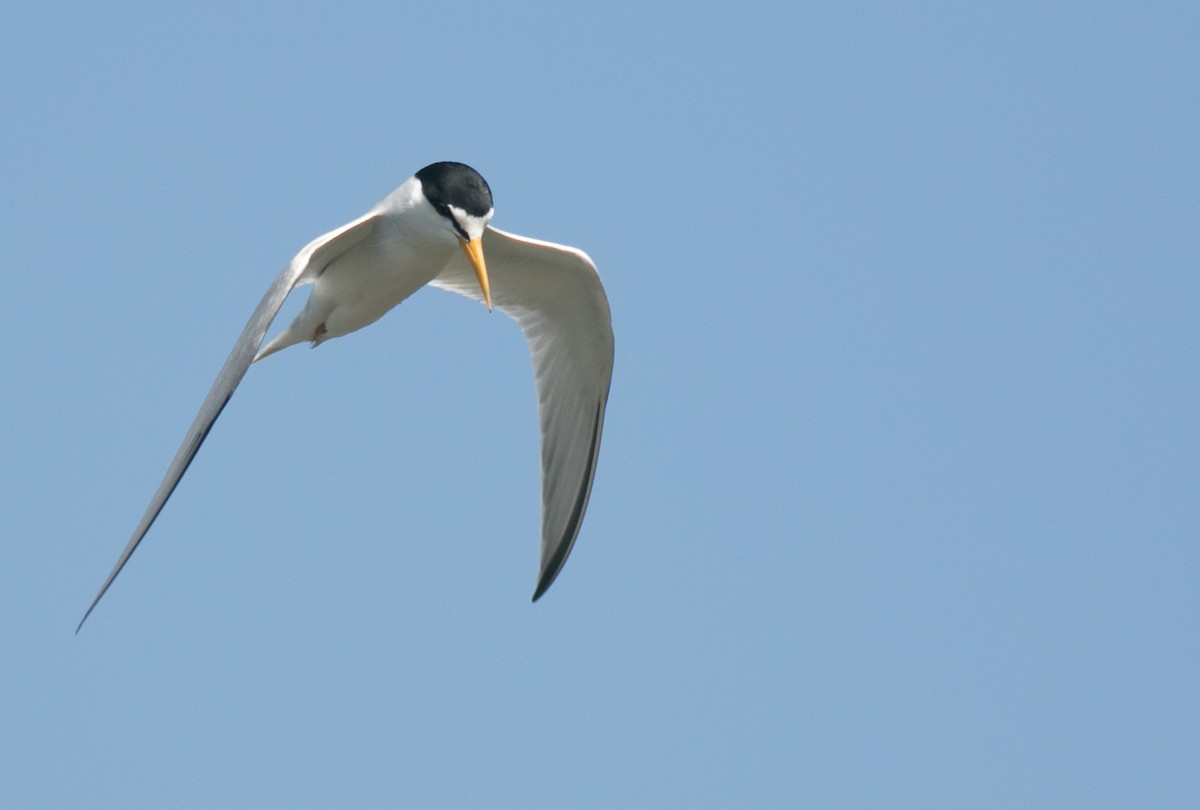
(434, 230)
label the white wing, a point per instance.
(307, 264)
(555, 294)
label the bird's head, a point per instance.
(463, 199)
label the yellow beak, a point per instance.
(474, 251)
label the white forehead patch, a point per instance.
(474, 226)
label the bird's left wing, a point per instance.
(307, 264)
(555, 295)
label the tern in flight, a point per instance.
(433, 230)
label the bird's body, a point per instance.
(397, 250)
(434, 230)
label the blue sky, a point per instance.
(897, 503)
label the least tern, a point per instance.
(434, 230)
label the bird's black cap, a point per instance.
(456, 184)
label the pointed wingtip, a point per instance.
(84, 619)
(108, 582)
(544, 585)
(95, 602)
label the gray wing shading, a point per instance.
(554, 294)
(306, 265)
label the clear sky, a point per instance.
(899, 498)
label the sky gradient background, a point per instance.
(898, 499)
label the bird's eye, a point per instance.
(448, 215)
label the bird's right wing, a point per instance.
(555, 295)
(307, 264)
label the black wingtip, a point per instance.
(549, 575)
(553, 567)
(92, 606)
